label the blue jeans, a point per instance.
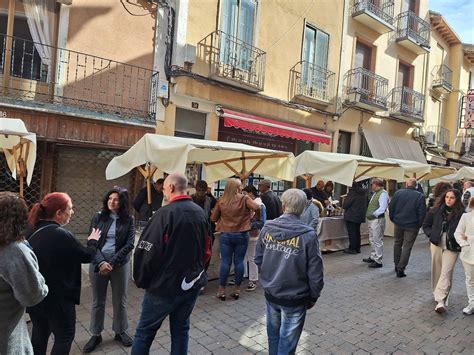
(232, 245)
(154, 310)
(284, 327)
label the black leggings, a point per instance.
(58, 318)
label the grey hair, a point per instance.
(377, 181)
(178, 180)
(293, 201)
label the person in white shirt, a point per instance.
(378, 204)
(464, 235)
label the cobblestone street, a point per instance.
(361, 311)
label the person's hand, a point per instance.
(463, 237)
(95, 234)
(105, 269)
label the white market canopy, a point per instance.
(465, 173)
(422, 171)
(19, 147)
(345, 168)
(220, 159)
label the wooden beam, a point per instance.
(253, 157)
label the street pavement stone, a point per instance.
(361, 311)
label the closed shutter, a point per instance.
(80, 172)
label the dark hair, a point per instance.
(309, 194)
(123, 211)
(440, 188)
(160, 181)
(457, 209)
(250, 189)
(201, 184)
(13, 216)
(357, 188)
(47, 208)
(329, 184)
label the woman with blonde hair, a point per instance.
(232, 214)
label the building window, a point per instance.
(344, 142)
(190, 124)
(405, 75)
(315, 57)
(363, 56)
(26, 62)
(238, 25)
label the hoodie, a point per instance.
(290, 263)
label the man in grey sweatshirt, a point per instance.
(291, 272)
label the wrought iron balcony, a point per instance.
(234, 61)
(365, 89)
(413, 32)
(312, 83)
(75, 82)
(375, 14)
(407, 104)
(437, 137)
(442, 79)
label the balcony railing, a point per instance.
(365, 88)
(76, 81)
(442, 78)
(439, 136)
(407, 104)
(413, 28)
(313, 82)
(234, 61)
(381, 9)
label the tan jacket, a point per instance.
(235, 216)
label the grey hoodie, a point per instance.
(289, 260)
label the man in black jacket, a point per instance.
(169, 263)
(270, 199)
(407, 211)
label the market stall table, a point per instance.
(333, 236)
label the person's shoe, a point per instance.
(368, 260)
(231, 282)
(349, 251)
(401, 273)
(440, 308)
(125, 339)
(468, 310)
(92, 343)
(251, 286)
(358, 251)
(375, 265)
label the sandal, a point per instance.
(235, 295)
(221, 296)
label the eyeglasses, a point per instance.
(120, 189)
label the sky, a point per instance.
(459, 14)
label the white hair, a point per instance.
(294, 201)
(178, 180)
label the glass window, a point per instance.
(315, 57)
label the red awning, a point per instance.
(265, 125)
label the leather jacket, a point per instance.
(124, 243)
(436, 224)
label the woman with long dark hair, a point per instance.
(21, 284)
(111, 264)
(232, 214)
(60, 256)
(439, 226)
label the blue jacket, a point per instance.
(407, 208)
(289, 260)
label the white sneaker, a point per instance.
(468, 310)
(440, 307)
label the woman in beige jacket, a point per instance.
(465, 237)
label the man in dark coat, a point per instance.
(407, 211)
(355, 209)
(145, 210)
(270, 199)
